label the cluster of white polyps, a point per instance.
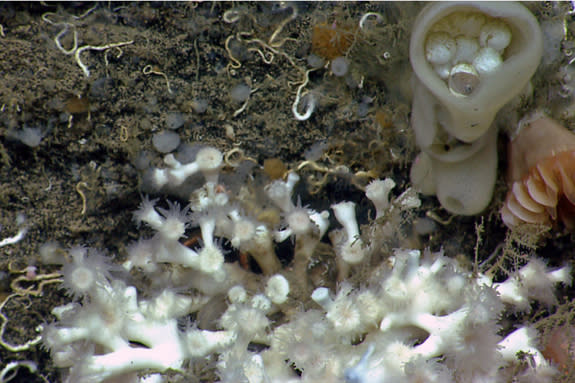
(437, 323)
(173, 309)
(114, 332)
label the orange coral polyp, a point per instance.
(559, 348)
(541, 175)
(330, 41)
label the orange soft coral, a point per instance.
(560, 348)
(541, 175)
(331, 40)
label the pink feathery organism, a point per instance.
(560, 348)
(541, 174)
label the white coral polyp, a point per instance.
(211, 259)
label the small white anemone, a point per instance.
(211, 259)
(298, 220)
(146, 212)
(141, 254)
(209, 159)
(88, 267)
(244, 230)
(277, 289)
(175, 221)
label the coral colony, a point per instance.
(418, 317)
(174, 309)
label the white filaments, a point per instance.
(310, 101)
(20, 220)
(362, 21)
(465, 46)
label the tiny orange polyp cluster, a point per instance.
(330, 40)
